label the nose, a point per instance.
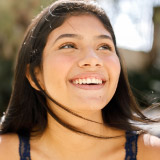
(90, 59)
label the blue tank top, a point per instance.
(130, 147)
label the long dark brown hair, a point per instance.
(27, 108)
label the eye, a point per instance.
(67, 46)
(105, 47)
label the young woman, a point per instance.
(71, 99)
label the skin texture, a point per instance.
(63, 60)
(83, 54)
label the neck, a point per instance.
(62, 141)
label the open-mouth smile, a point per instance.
(89, 83)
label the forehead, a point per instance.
(83, 24)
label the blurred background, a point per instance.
(137, 27)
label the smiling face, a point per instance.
(80, 65)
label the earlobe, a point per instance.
(37, 75)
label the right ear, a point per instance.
(38, 77)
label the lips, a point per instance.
(88, 81)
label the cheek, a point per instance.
(59, 63)
(56, 69)
(113, 67)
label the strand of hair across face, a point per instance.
(66, 109)
(60, 105)
(72, 128)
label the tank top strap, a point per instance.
(131, 145)
(24, 147)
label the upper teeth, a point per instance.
(88, 81)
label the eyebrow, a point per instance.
(68, 36)
(80, 37)
(103, 36)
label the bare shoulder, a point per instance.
(148, 147)
(9, 147)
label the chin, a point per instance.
(90, 106)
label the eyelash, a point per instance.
(106, 47)
(72, 45)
